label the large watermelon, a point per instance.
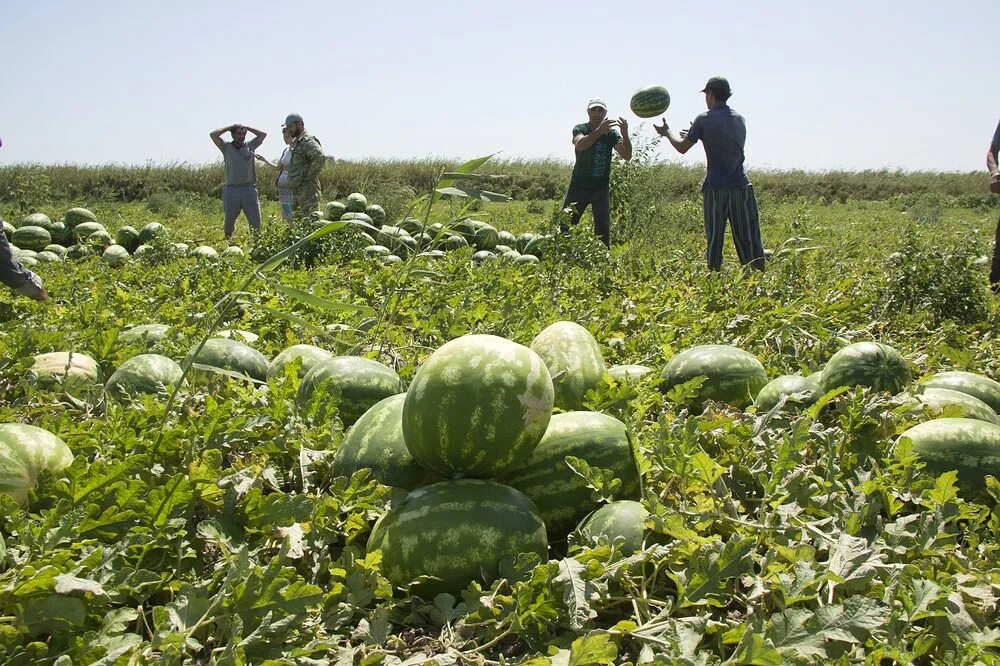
(56, 249)
(935, 400)
(622, 522)
(31, 238)
(84, 230)
(969, 446)
(357, 383)
(232, 253)
(376, 213)
(375, 442)
(77, 374)
(869, 364)
(732, 376)
(456, 532)
(77, 216)
(574, 360)
(976, 385)
(78, 251)
(115, 255)
(231, 355)
(309, 356)
(397, 240)
(452, 242)
(805, 392)
(24, 452)
(333, 210)
(128, 238)
(60, 233)
(561, 495)
(479, 234)
(526, 259)
(359, 217)
(150, 374)
(356, 203)
(47, 257)
(650, 101)
(477, 406)
(151, 231)
(35, 220)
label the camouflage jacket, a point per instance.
(308, 160)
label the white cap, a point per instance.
(597, 101)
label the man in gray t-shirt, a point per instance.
(240, 190)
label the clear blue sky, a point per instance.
(844, 84)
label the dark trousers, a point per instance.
(600, 203)
(739, 208)
(995, 270)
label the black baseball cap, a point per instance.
(718, 84)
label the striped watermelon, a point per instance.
(869, 364)
(333, 210)
(356, 203)
(733, 376)
(60, 233)
(309, 356)
(650, 101)
(457, 532)
(805, 390)
(115, 255)
(85, 230)
(144, 334)
(628, 373)
(478, 405)
(978, 386)
(969, 446)
(35, 220)
(73, 372)
(935, 400)
(376, 213)
(145, 374)
(356, 383)
(231, 355)
(151, 231)
(375, 442)
(574, 360)
(77, 216)
(24, 452)
(561, 495)
(204, 253)
(622, 522)
(128, 238)
(31, 238)
(47, 257)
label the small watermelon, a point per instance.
(35, 220)
(145, 374)
(622, 522)
(732, 376)
(25, 451)
(869, 364)
(77, 216)
(574, 360)
(128, 238)
(151, 231)
(356, 203)
(799, 391)
(116, 256)
(968, 446)
(230, 355)
(309, 356)
(650, 101)
(976, 385)
(333, 210)
(357, 384)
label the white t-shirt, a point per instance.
(285, 162)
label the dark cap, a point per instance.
(718, 84)
(293, 118)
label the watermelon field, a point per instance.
(423, 426)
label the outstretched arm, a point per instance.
(261, 158)
(680, 142)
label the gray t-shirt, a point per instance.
(240, 167)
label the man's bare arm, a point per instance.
(217, 136)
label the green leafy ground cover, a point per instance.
(215, 532)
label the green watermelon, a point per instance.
(413, 226)
(733, 376)
(433, 254)
(804, 390)
(145, 374)
(969, 446)
(507, 238)
(128, 238)
(28, 261)
(73, 372)
(526, 259)
(60, 233)
(144, 334)
(511, 255)
(231, 355)
(309, 356)
(357, 383)
(24, 452)
(628, 373)
(978, 386)
(870, 364)
(453, 242)
(78, 251)
(232, 252)
(561, 495)
(179, 249)
(376, 213)
(101, 240)
(23, 254)
(35, 220)
(935, 400)
(356, 203)
(537, 246)
(392, 259)
(359, 217)
(238, 334)
(31, 238)
(479, 234)
(56, 249)
(456, 532)
(333, 210)
(77, 216)
(503, 249)
(521, 244)
(47, 257)
(477, 406)
(375, 442)
(574, 360)
(377, 251)
(8, 228)
(204, 253)
(650, 102)
(84, 230)
(116, 255)
(397, 240)
(151, 231)
(482, 255)
(622, 522)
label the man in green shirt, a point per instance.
(590, 184)
(307, 163)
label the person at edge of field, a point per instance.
(13, 274)
(305, 166)
(994, 169)
(281, 181)
(590, 184)
(240, 190)
(728, 194)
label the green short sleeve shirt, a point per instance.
(592, 171)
